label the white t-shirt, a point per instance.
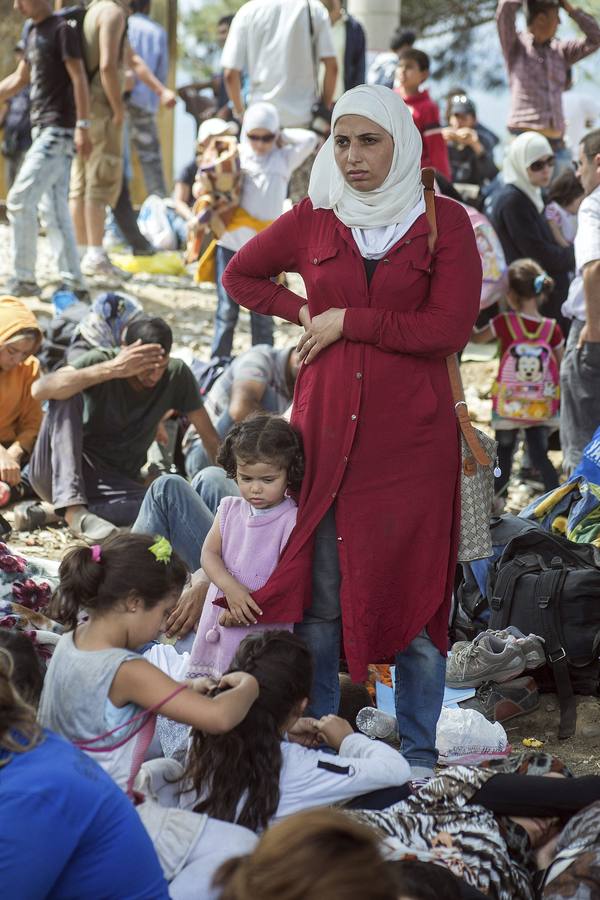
(270, 40)
(581, 113)
(265, 181)
(313, 778)
(587, 249)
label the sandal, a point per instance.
(31, 515)
(91, 528)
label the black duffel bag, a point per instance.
(547, 585)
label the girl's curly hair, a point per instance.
(264, 438)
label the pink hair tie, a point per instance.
(96, 551)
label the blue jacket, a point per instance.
(354, 57)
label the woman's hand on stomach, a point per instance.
(319, 332)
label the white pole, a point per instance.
(380, 19)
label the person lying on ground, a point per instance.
(494, 825)
(103, 415)
(20, 413)
(98, 845)
(261, 379)
(97, 683)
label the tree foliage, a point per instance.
(445, 16)
(11, 25)
(197, 31)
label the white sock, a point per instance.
(96, 254)
(82, 250)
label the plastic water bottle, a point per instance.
(62, 299)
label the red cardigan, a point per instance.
(377, 419)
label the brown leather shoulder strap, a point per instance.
(462, 412)
(428, 180)
(458, 395)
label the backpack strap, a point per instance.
(504, 589)
(458, 395)
(546, 596)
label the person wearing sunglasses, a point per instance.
(518, 216)
(268, 156)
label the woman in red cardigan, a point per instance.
(378, 512)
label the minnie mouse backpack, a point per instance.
(527, 389)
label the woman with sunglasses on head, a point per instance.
(268, 157)
(518, 216)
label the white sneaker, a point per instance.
(102, 271)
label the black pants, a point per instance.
(126, 219)
(538, 795)
(537, 448)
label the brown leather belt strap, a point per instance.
(456, 385)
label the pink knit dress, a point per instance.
(251, 547)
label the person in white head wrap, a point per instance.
(517, 214)
(526, 149)
(375, 545)
(380, 217)
(268, 156)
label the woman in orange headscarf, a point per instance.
(20, 414)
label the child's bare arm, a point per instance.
(557, 234)
(483, 335)
(239, 600)
(138, 681)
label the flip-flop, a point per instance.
(90, 528)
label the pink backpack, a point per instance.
(527, 389)
(493, 261)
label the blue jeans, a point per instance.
(43, 181)
(196, 457)
(183, 513)
(227, 314)
(420, 669)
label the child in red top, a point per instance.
(526, 392)
(412, 71)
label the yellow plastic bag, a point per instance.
(168, 262)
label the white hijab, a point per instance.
(378, 218)
(260, 115)
(524, 150)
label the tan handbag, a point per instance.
(478, 450)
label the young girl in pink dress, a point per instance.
(264, 455)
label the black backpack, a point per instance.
(547, 585)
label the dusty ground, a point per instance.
(189, 310)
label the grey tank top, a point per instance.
(76, 687)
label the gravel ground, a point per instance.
(189, 309)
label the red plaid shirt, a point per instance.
(537, 73)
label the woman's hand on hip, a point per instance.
(320, 332)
